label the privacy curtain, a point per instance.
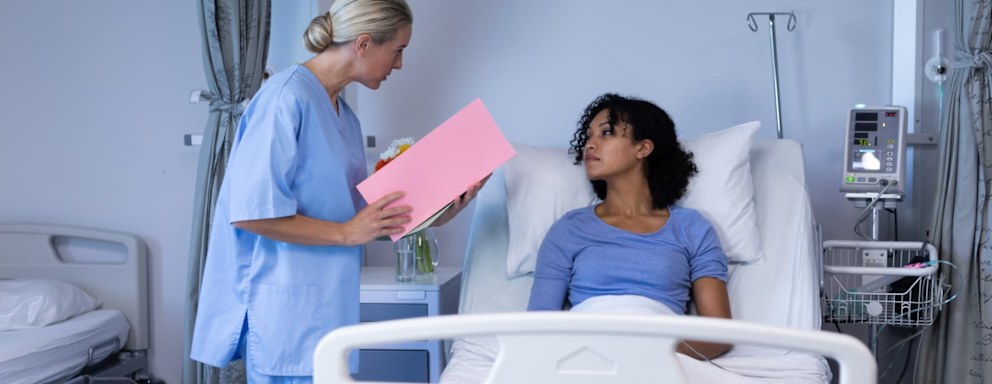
(958, 348)
(235, 47)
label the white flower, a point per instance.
(394, 148)
(389, 153)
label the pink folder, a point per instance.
(442, 165)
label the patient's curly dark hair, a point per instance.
(668, 167)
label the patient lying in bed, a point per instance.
(768, 236)
(636, 241)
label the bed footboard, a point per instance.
(562, 347)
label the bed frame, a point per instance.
(119, 279)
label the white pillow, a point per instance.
(32, 303)
(723, 192)
(542, 184)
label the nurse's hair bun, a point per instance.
(349, 19)
(319, 34)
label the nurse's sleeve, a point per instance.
(263, 162)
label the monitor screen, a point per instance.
(865, 160)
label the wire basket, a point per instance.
(880, 282)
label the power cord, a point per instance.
(895, 223)
(960, 281)
(701, 356)
(905, 365)
(886, 184)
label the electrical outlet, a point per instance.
(873, 258)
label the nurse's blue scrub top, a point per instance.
(292, 154)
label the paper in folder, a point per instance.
(441, 166)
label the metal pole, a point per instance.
(778, 107)
(791, 25)
(874, 221)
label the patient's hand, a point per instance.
(460, 202)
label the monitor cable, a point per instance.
(954, 294)
(886, 184)
(701, 355)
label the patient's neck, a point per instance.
(629, 207)
(628, 197)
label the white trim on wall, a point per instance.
(907, 18)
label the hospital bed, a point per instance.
(775, 305)
(105, 345)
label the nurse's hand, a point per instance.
(377, 221)
(460, 202)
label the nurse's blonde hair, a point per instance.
(348, 19)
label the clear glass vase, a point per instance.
(423, 247)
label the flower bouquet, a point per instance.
(420, 240)
(395, 149)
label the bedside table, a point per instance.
(384, 298)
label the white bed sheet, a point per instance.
(781, 290)
(472, 360)
(744, 365)
(60, 351)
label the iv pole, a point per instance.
(791, 25)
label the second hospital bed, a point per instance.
(107, 344)
(775, 305)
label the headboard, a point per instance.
(37, 251)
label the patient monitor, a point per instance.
(875, 150)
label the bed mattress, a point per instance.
(60, 351)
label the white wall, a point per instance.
(94, 103)
(93, 106)
(537, 64)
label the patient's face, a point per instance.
(609, 151)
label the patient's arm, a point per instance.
(710, 296)
(547, 294)
(552, 274)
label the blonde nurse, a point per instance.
(283, 262)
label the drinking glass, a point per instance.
(406, 260)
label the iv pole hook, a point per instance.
(790, 26)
